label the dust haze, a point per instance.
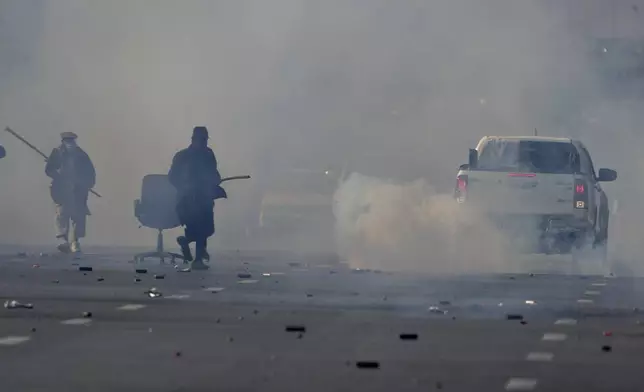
(393, 90)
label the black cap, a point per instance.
(68, 135)
(200, 132)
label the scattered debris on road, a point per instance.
(35, 266)
(608, 333)
(55, 281)
(437, 310)
(22, 255)
(17, 305)
(368, 365)
(183, 269)
(100, 279)
(243, 275)
(530, 302)
(514, 317)
(137, 279)
(177, 354)
(408, 336)
(87, 314)
(85, 269)
(444, 303)
(159, 276)
(141, 271)
(295, 328)
(523, 322)
(607, 349)
(153, 293)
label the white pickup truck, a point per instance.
(541, 189)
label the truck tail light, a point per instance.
(460, 193)
(581, 195)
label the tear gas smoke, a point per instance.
(294, 83)
(388, 226)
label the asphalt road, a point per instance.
(220, 331)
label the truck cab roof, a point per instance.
(530, 138)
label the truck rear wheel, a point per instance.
(592, 253)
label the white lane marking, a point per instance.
(554, 337)
(247, 281)
(566, 322)
(592, 292)
(599, 284)
(13, 340)
(178, 296)
(277, 273)
(539, 357)
(77, 321)
(214, 289)
(585, 301)
(131, 307)
(521, 384)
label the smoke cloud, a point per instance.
(393, 90)
(409, 227)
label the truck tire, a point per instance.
(593, 253)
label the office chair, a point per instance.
(156, 210)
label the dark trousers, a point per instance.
(197, 214)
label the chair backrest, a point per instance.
(158, 202)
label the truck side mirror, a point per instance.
(473, 158)
(607, 175)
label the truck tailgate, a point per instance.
(521, 193)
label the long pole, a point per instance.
(42, 154)
(235, 178)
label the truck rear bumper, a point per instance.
(541, 222)
(550, 234)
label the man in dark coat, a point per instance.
(195, 175)
(73, 175)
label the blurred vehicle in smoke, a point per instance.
(295, 199)
(543, 193)
(302, 199)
